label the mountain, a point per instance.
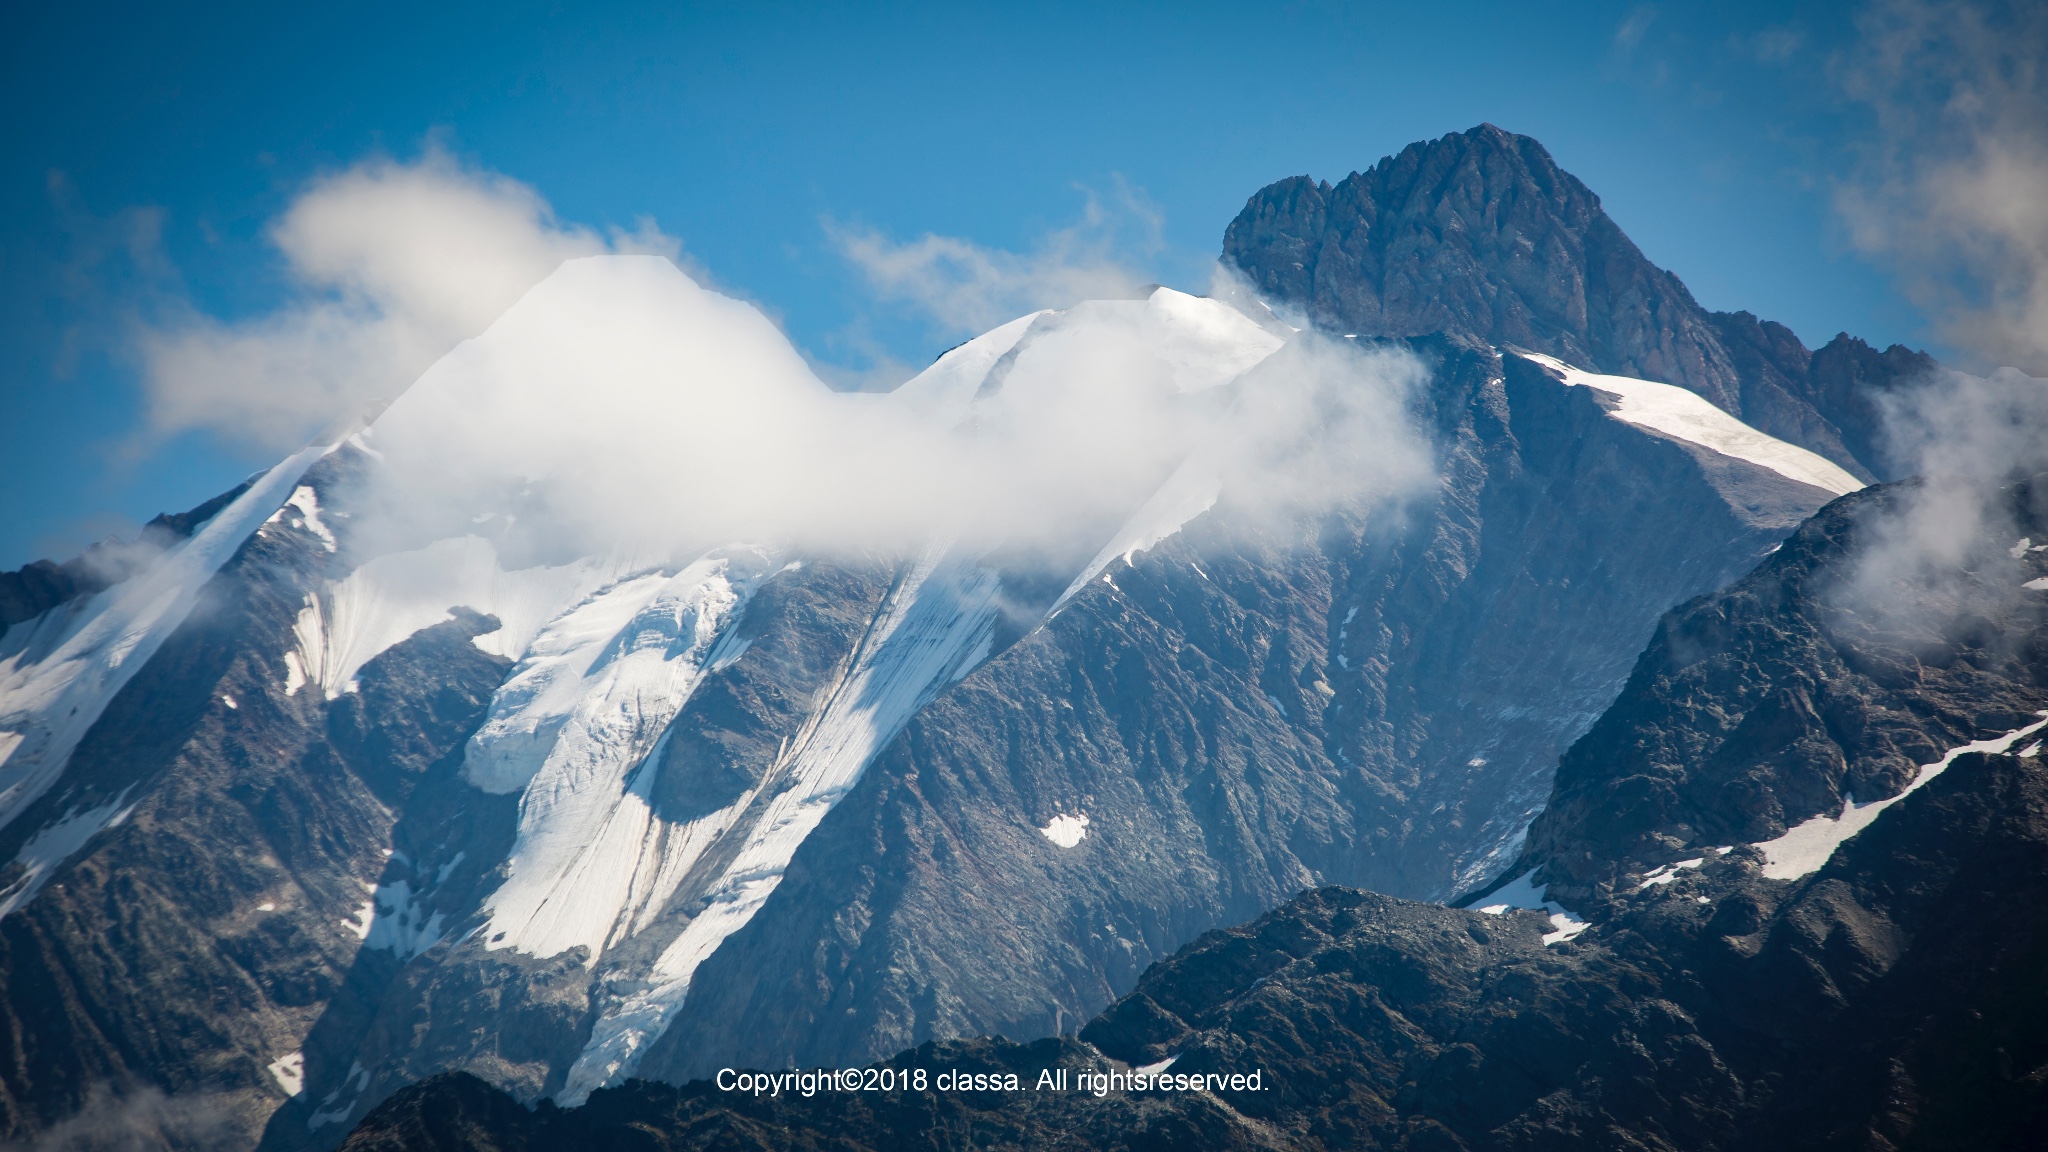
(320, 803)
(1866, 979)
(1481, 234)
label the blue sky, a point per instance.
(146, 150)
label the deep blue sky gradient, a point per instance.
(1712, 132)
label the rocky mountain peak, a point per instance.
(1481, 234)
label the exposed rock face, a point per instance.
(1800, 687)
(195, 941)
(1891, 1000)
(1241, 714)
(1481, 234)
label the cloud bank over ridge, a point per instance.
(582, 395)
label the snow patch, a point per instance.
(2040, 585)
(306, 503)
(1668, 872)
(1156, 1069)
(1802, 850)
(1688, 416)
(290, 1070)
(1066, 831)
(1524, 892)
(364, 919)
(56, 843)
(225, 699)
(398, 921)
(357, 1080)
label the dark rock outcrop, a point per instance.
(1481, 234)
(1246, 710)
(192, 943)
(1811, 681)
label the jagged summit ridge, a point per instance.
(1482, 234)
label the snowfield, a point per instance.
(1688, 416)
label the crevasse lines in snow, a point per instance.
(587, 834)
(934, 626)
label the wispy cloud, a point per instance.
(394, 263)
(1628, 35)
(967, 287)
(1952, 185)
(1951, 189)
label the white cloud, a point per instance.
(1951, 188)
(613, 404)
(968, 287)
(620, 406)
(395, 263)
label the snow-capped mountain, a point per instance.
(394, 767)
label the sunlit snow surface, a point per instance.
(1524, 892)
(1688, 416)
(931, 629)
(290, 1071)
(608, 649)
(575, 726)
(1066, 831)
(1669, 872)
(1805, 848)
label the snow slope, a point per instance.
(945, 391)
(931, 630)
(592, 862)
(1688, 416)
(1189, 492)
(1524, 892)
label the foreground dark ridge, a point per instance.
(1895, 999)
